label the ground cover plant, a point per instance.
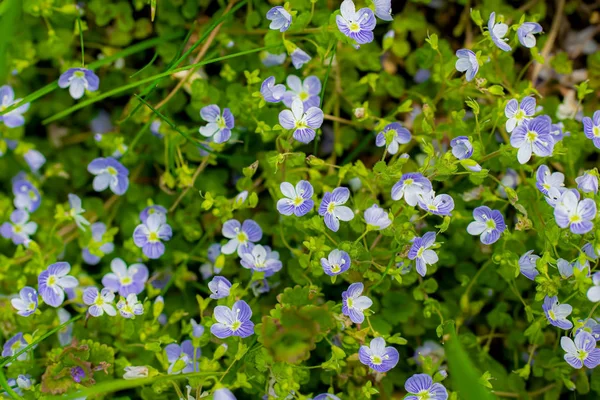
(316, 199)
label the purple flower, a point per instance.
(109, 172)
(575, 214)
(271, 92)
(19, 229)
(155, 128)
(565, 268)
(590, 326)
(223, 394)
(78, 80)
(533, 136)
(149, 236)
(582, 351)
(527, 264)
(467, 62)
(259, 287)
(271, 60)
(208, 269)
(546, 180)
(280, 19)
(197, 329)
(333, 210)
(14, 118)
(14, 345)
(526, 32)
(27, 302)
(517, 114)
(34, 159)
(303, 123)
(378, 357)
(219, 126)
(297, 201)
(27, 197)
(383, 9)
(53, 281)
(99, 302)
(593, 293)
(392, 136)
(357, 25)
(181, 358)
(65, 335)
(125, 280)
(98, 230)
(76, 211)
(130, 307)
(591, 128)
(261, 259)
(308, 91)
(219, 287)
(497, 32)
(233, 321)
(421, 252)
(442, 204)
(376, 218)
(429, 349)
(421, 386)
(411, 186)
(101, 123)
(240, 235)
(556, 130)
(337, 262)
(78, 374)
(354, 304)
(587, 183)
(299, 58)
(154, 209)
(488, 223)
(557, 313)
(461, 147)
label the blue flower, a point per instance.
(219, 126)
(421, 386)
(565, 268)
(19, 229)
(99, 302)
(297, 200)
(98, 230)
(593, 293)
(271, 92)
(240, 235)
(392, 136)
(587, 183)
(377, 356)
(34, 159)
(461, 147)
(421, 252)
(488, 223)
(27, 302)
(556, 130)
(125, 280)
(526, 32)
(544, 180)
(78, 80)
(53, 281)
(356, 25)
(280, 19)
(383, 9)
(308, 91)
(219, 287)
(234, 321)
(533, 136)
(14, 345)
(76, 212)
(517, 114)
(14, 118)
(303, 123)
(150, 210)
(271, 60)
(527, 265)
(337, 262)
(354, 303)
(109, 173)
(150, 235)
(574, 214)
(299, 58)
(261, 259)
(332, 209)
(557, 313)
(223, 394)
(582, 351)
(467, 62)
(497, 33)
(130, 306)
(27, 197)
(208, 269)
(101, 123)
(591, 326)
(591, 128)
(411, 186)
(182, 358)
(376, 218)
(442, 204)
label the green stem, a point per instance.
(6, 387)
(81, 41)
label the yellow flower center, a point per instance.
(298, 201)
(490, 224)
(79, 74)
(354, 27)
(335, 268)
(126, 280)
(520, 115)
(531, 136)
(596, 131)
(153, 237)
(111, 171)
(52, 280)
(242, 237)
(303, 96)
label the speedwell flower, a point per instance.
(27, 197)
(467, 62)
(488, 223)
(307, 91)
(411, 186)
(109, 172)
(76, 211)
(357, 25)
(14, 118)
(461, 147)
(333, 210)
(377, 356)
(587, 183)
(526, 32)
(98, 230)
(299, 57)
(392, 136)
(19, 229)
(208, 269)
(240, 235)
(326, 396)
(234, 321)
(518, 113)
(27, 302)
(181, 358)
(497, 32)
(533, 136)
(219, 287)
(590, 326)
(130, 307)
(574, 214)
(354, 303)
(99, 302)
(14, 345)
(125, 280)
(219, 126)
(527, 264)
(223, 394)
(271, 60)
(149, 236)
(383, 9)
(78, 80)
(421, 252)
(153, 209)
(303, 123)
(376, 218)
(337, 262)
(591, 128)
(565, 268)
(261, 259)
(544, 180)
(442, 204)
(271, 92)
(582, 351)
(280, 19)
(297, 200)
(53, 281)
(421, 386)
(197, 329)
(557, 313)
(593, 293)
